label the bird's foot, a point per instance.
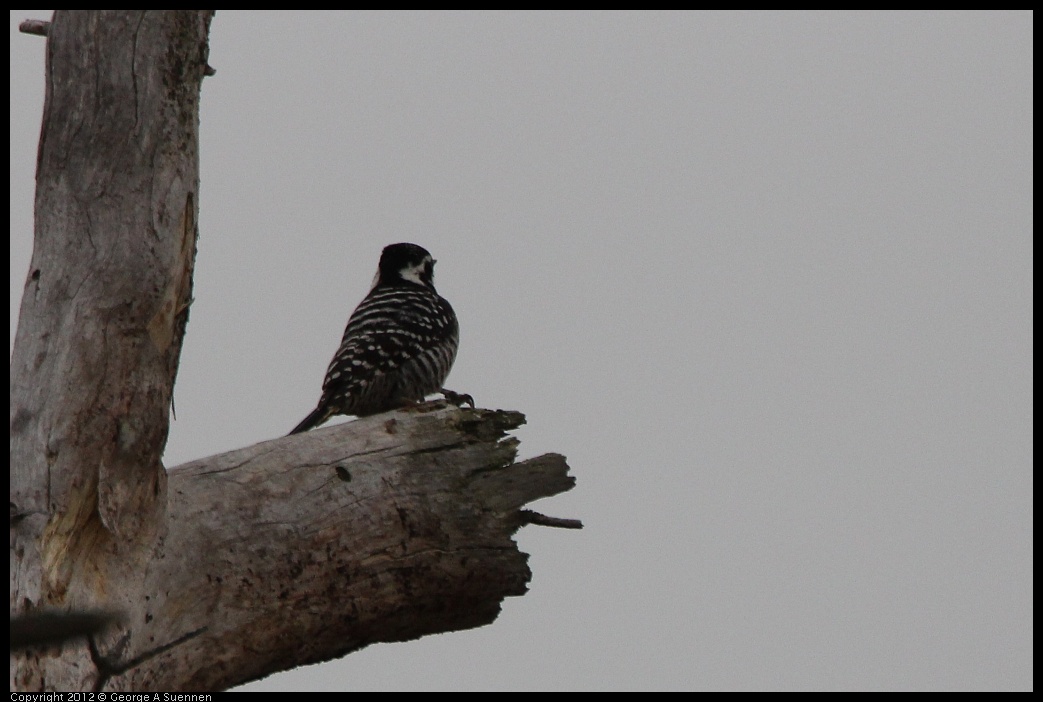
(457, 398)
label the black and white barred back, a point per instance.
(398, 346)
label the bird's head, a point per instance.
(405, 263)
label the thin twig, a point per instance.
(530, 517)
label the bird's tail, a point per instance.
(317, 416)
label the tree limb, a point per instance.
(306, 548)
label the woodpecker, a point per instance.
(398, 346)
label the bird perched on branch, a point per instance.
(398, 346)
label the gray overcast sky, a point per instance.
(764, 278)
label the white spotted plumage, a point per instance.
(399, 343)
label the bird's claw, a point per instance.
(457, 398)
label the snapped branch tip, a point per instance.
(34, 26)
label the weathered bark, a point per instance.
(299, 550)
(233, 567)
(104, 308)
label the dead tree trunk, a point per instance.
(230, 568)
